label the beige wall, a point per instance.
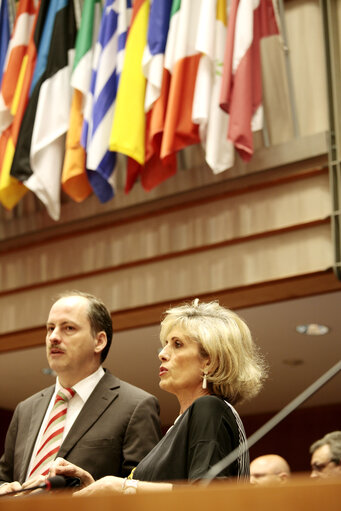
(224, 243)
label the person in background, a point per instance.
(89, 416)
(326, 456)
(270, 468)
(210, 363)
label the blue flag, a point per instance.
(5, 34)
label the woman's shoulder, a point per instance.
(210, 411)
(210, 403)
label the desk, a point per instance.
(299, 494)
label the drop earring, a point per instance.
(204, 381)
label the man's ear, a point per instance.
(101, 341)
(283, 476)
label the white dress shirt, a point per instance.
(83, 390)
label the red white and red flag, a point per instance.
(241, 92)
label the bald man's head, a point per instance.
(269, 468)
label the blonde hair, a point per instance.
(236, 369)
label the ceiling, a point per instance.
(295, 361)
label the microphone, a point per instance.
(51, 483)
(215, 470)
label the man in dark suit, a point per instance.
(109, 426)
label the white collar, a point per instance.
(85, 387)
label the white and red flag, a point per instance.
(241, 91)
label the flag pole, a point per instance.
(281, 17)
(11, 14)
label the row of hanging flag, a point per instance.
(84, 80)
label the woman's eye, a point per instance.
(178, 344)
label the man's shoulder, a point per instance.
(136, 391)
(125, 388)
(48, 391)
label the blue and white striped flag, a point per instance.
(154, 53)
(100, 101)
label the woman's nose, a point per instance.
(163, 354)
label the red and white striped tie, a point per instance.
(53, 434)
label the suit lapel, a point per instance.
(38, 410)
(105, 392)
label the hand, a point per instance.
(34, 481)
(65, 468)
(108, 484)
(9, 487)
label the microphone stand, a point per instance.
(263, 430)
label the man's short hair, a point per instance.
(332, 439)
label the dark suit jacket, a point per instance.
(116, 428)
